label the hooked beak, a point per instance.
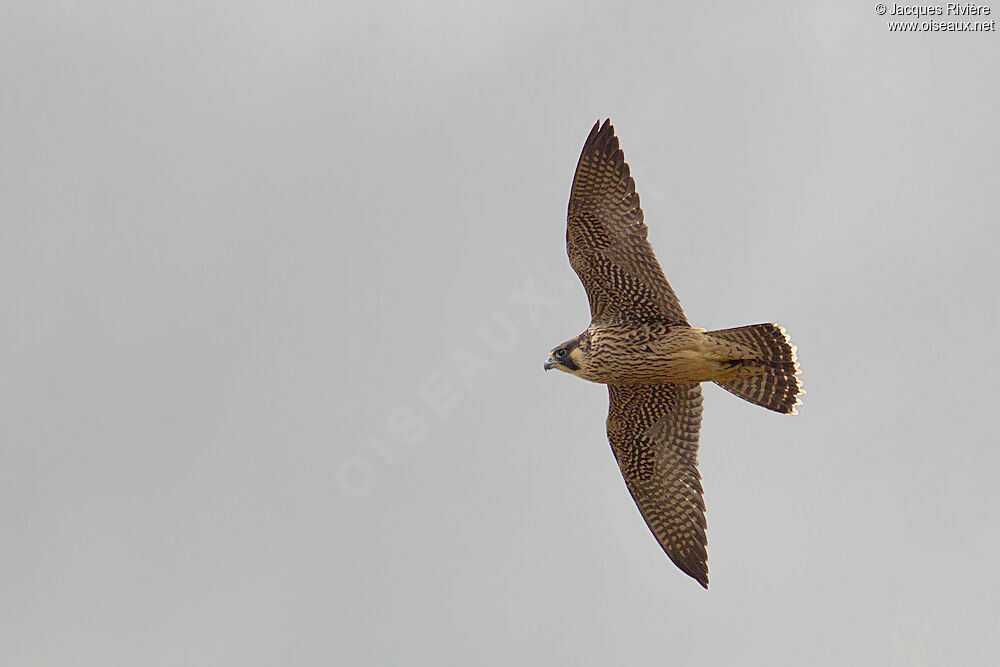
(550, 363)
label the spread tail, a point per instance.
(760, 366)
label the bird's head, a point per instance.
(567, 357)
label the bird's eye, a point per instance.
(560, 353)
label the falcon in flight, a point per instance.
(640, 344)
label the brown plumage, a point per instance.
(640, 344)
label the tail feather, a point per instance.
(762, 367)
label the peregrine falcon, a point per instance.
(640, 344)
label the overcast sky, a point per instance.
(278, 280)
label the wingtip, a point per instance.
(605, 130)
(595, 136)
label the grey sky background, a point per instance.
(241, 244)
